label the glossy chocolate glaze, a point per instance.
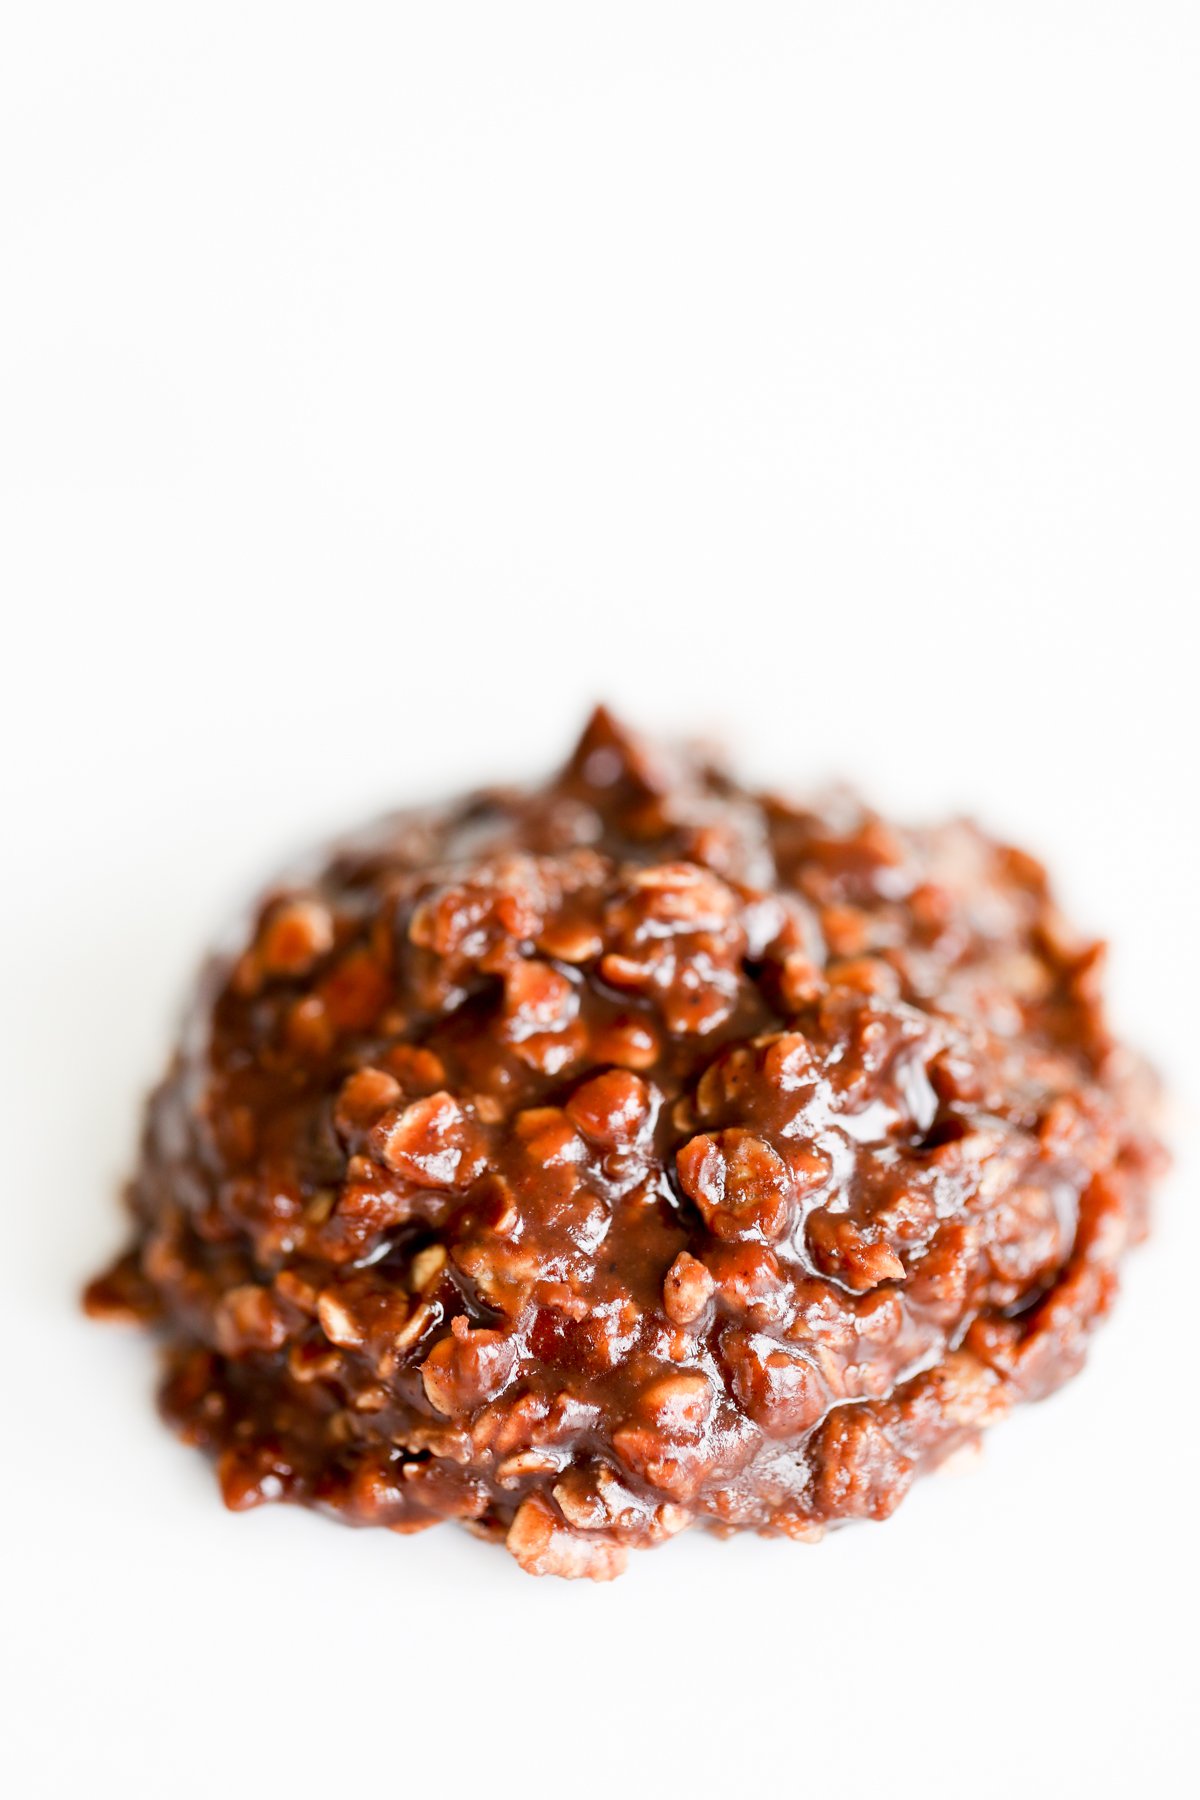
(632, 1152)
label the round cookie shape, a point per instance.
(633, 1152)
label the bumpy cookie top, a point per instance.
(635, 1151)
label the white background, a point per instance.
(379, 384)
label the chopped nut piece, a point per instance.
(249, 1318)
(611, 1109)
(296, 934)
(687, 1289)
(740, 1184)
(467, 1368)
(426, 1143)
(364, 1099)
(841, 1248)
(543, 1545)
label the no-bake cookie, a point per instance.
(631, 1153)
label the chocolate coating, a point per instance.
(633, 1152)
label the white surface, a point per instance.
(377, 384)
